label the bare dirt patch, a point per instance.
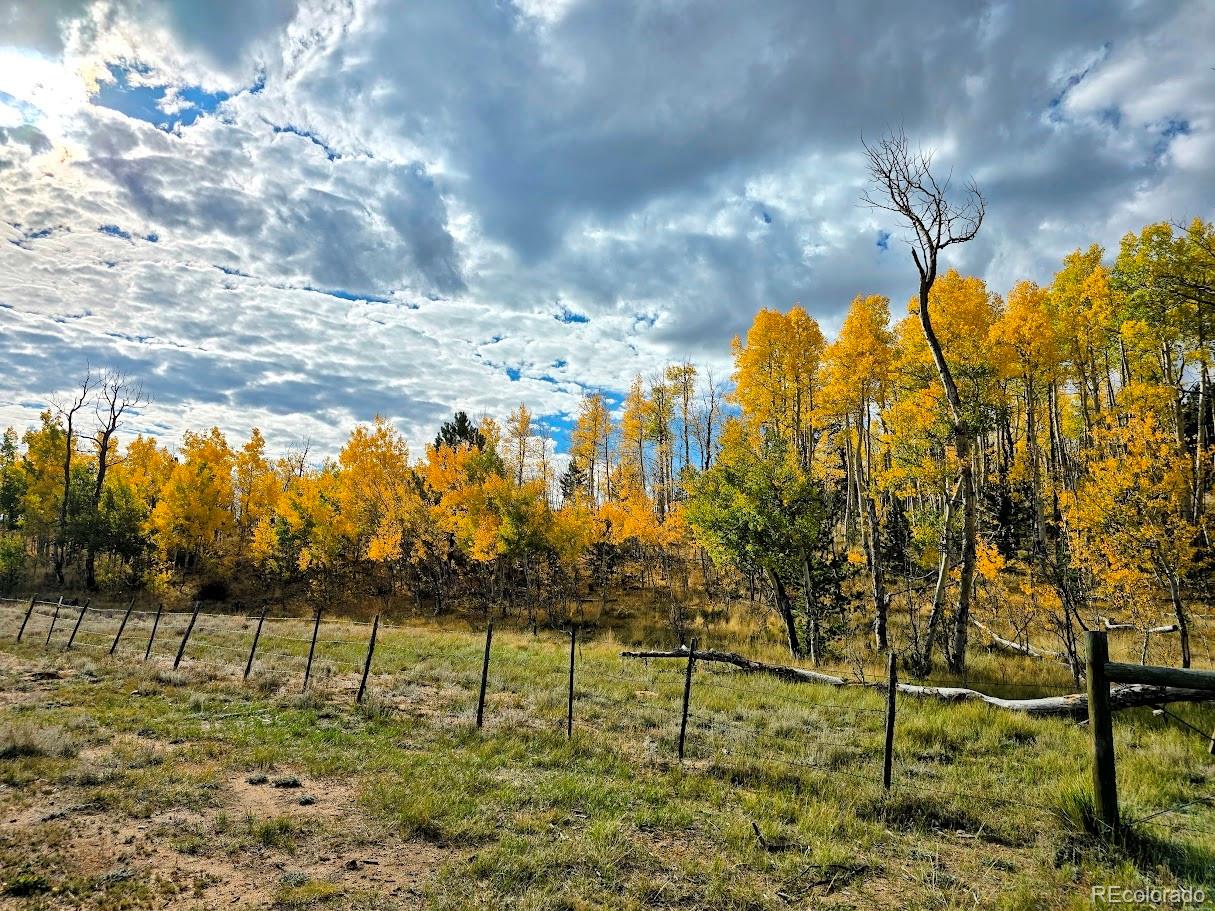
(280, 840)
(263, 847)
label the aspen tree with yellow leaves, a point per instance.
(856, 389)
(1028, 467)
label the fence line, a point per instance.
(123, 632)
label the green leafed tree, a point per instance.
(757, 510)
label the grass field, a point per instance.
(127, 785)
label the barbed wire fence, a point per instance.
(662, 719)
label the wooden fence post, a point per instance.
(181, 649)
(687, 696)
(375, 628)
(26, 619)
(1100, 723)
(316, 628)
(147, 653)
(569, 715)
(257, 634)
(122, 626)
(54, 619)
(892, 685)
(489, 638)
(75, 629)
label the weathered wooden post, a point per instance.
(26, 619)
(181, 649)
(1100, 723)
(569, 715)
(316, 628)
(892, 685)
(75, 629)
(147, 653)
(54, 619)
(122, 626)
(257, 634)
(687, 696)
(489, 638)
(375, 628)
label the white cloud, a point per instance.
(659, 171)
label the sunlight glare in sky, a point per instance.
(51, 90)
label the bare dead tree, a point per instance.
(707, 418)
(118, 396)
(67, 409)
(295, 461)
(902, 182)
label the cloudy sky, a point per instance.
(298, 214)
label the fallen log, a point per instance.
(1072, 705)
(784, 672)
(1025, 651)
(1130, 627)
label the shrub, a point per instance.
(12, 562)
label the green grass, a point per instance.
(989, 808)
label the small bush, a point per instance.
(266, 681)
(12, 562)
(305, 896)
(26, 740)
(375, 708)
(171, 677)
(276, 832)
(25, 884)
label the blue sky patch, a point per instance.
(342, 294)
(147, 102)
(316, 140)
(29, 113)
(1172, 129)
(115, 231)
(566, 315)
(882, 242)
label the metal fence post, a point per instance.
(257, 634)
(75, 629)
(892, 685)
(489, 638)
(122, 626)
(316, 628)
(26, 619)
(54, 619)
(569, 717)
(687, 696)
(147, 653)
(375, 628)
(181, 649)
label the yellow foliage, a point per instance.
(776, 375)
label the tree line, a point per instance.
(1038, 462)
